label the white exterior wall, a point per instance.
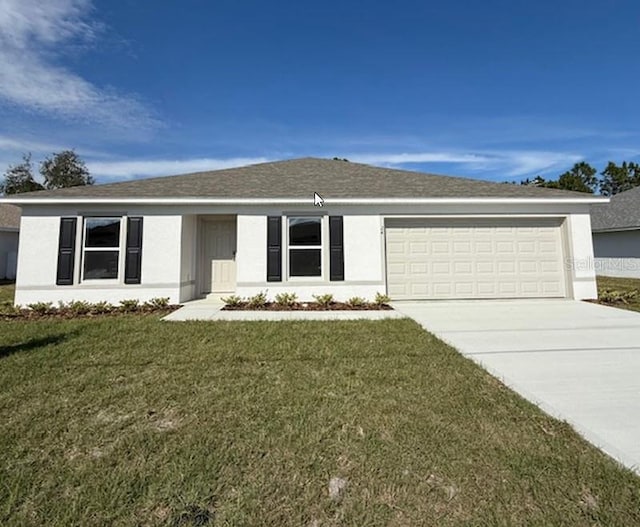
(170, 249)
(38, 256)
(579, 260)
(251, 253)
(363, 261)
(188, 257)
(617, 253)
(8, 254)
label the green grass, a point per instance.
(7, 290)
(621, 284)
(133, 421)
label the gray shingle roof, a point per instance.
(9, 216)
(299, 178)
(622, 212)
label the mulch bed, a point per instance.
(66, 314)
(310, 306)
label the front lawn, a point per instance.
(132, 421)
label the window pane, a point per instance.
(304, 231)
(304, 262)
(100, 264)
(102, 232)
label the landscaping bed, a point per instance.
(79, 309)
(623, 293)
(309, 306)
(289, 302)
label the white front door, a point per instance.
(220, 256)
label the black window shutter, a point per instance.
(336, 249)
(66, 251)
(133, 257)
(274, 248)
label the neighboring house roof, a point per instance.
(621, 213)
(297, 179)
(9, 217)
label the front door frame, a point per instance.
(204, 279)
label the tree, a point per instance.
(19, 178)
(617, 179)
(581, 178)
(539, 181)
(65, 169)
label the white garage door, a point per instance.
(474, 258)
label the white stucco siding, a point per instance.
(188, 258)
(251, 253)
(363, 252)
(160, 274)
(38, 251)
(579, 260)
(171, 246)
(161, 250)
(362, 260)
(617, 253)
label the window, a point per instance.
(305, 246)
(101, 248)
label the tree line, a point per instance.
(582, 177)
(61, 170)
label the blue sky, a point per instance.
(496, 90)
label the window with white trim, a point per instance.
(305, 246)
(101, 248)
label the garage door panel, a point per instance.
(487, 289)
(439, 247)
(418, 289)
(474, 258)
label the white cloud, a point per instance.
(420, 157)
(20, 145)
(522, 163)
(129, 169)
(32, 35)
(502, 164)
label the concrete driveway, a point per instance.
(578, 361)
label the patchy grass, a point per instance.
(622, 285)
(132, 421)
(7, 291)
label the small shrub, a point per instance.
(286, 299)
(232, 301)
(609, 296)
(324, 300)
(78, 307)
(356, 301)
(100, 308)
(42, 308)
(8, 309)
(157, 303)
(381, 299)
(257, 301)
(130, 305)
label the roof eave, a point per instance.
(299, 201)
(617, 229)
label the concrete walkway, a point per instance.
(207, 309)
(578, 361)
